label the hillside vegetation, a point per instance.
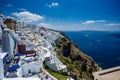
(79, 65)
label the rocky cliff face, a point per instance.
(79, 65)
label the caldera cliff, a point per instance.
(79, 65)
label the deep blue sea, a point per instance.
(103, 48)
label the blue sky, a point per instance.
(69, 15)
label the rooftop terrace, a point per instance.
(108, 74)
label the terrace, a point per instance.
(108, 74)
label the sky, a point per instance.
(65, 15)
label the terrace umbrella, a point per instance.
(18, 54)
(13, 68)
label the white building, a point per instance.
(21, 79)
(1, 19)
(8, 41)
(1, 24)
(2, 58)
(55, 64)
(108, 74)
(31, 66)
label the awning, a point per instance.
(13, 68)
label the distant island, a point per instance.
(116, 35)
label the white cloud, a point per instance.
(89, 22)
(113, 24)
(93, 21)
(61, 26)
(47, 25)
(53, 4)
(10, 17)
(27, 16)
(9, 5)
(23, 9)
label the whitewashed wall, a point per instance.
(1, 69)
(33, 66)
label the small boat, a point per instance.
(118, 59)
(98, 40)
(85, 35)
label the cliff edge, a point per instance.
(79, 65)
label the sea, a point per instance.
(100, 45)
